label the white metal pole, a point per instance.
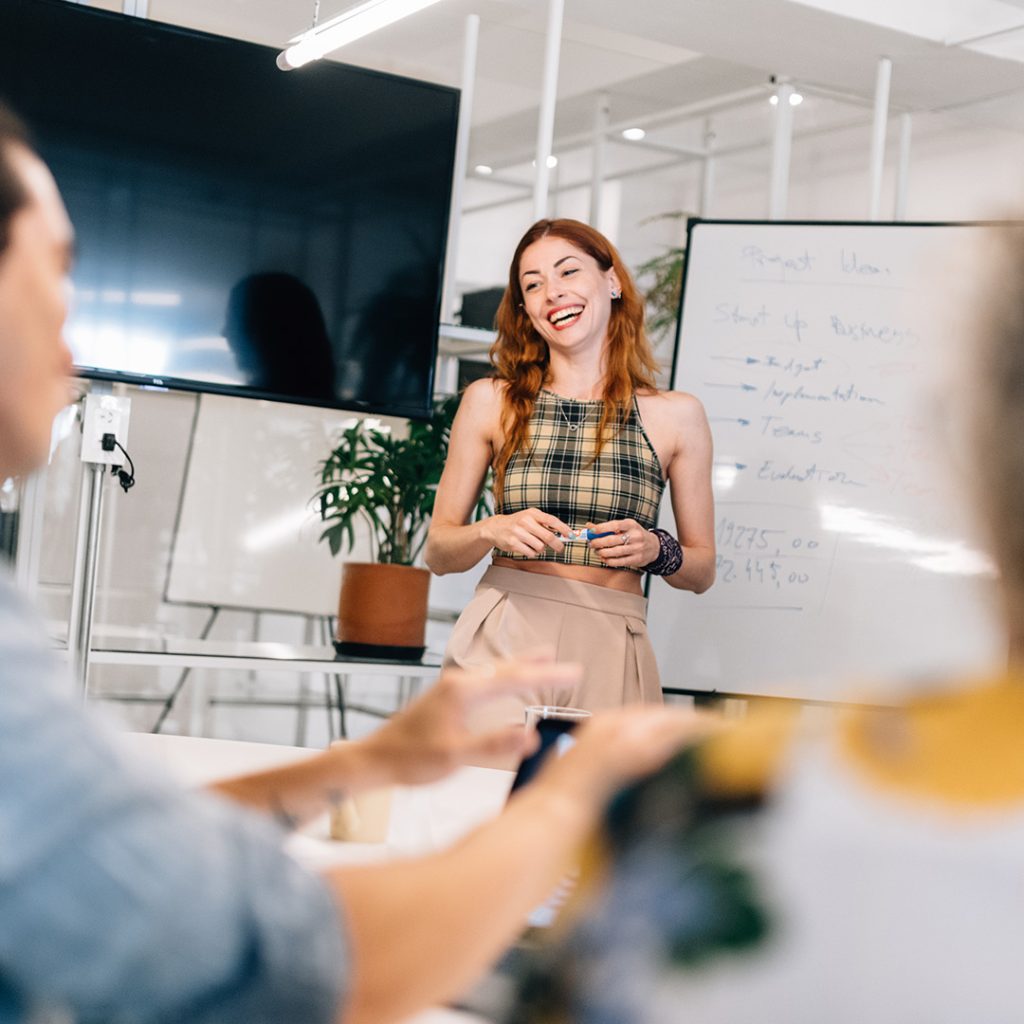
(140, 8)
(707, 171)
(878, 126)
(903, 167)
(602, 115)
(83, 582)
(546, 121)
(469, 50)
(782, 145)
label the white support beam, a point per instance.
(903, 167)
(546, 121)
(707, 171)
(578, 140)
(139, 8)
(470, 45)
(602, 114)
(666, 165)
(662, 147)
(878, 128)
(782, 145)
(574, 185)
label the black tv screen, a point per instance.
(239, 229)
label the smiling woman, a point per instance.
(578, 436)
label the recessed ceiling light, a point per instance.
(552, 161)
(483, 169)
(633, 134)
(773, 100)
(795, 99)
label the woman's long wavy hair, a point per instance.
(520, 355)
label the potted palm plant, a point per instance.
(662, 280)
(386, 484)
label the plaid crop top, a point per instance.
(558, 474)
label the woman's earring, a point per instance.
(616, 295)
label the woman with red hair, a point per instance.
(582, 444)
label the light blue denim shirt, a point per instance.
(124, 898)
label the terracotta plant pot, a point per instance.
(382, 611)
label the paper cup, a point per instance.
(363, 818)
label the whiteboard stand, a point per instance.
(204, 633)
(314, 625)
(320, 624)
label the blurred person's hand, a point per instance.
(431, 738)
(613, 748)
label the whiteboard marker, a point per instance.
(585, 534)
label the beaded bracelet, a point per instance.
(670, 558)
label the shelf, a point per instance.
(256, 656)
(456, 340)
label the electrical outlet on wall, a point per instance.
(105, 415)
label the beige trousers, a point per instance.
(514, 612)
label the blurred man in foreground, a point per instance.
(124, 898)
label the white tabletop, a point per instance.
(423, 818)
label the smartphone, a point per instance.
(555, 738)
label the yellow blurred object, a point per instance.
(962, 747)
(743, 759)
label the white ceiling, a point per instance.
(650, 56)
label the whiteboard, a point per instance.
(845, 556)
(246, 533)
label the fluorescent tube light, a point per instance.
(346, 28)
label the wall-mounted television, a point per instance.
(240, 229)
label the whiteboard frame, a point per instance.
(693, 222)
(228, 606)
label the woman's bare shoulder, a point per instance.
(482, 402)
(484, 393)
(678, 407)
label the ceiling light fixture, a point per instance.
(483, 169)
(795, 99)
(346, 28)
(633, 134)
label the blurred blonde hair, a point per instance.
(994, 415)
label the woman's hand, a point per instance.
(526, 533)
(629, 545)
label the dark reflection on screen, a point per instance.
(277, 334)
(219, 201)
